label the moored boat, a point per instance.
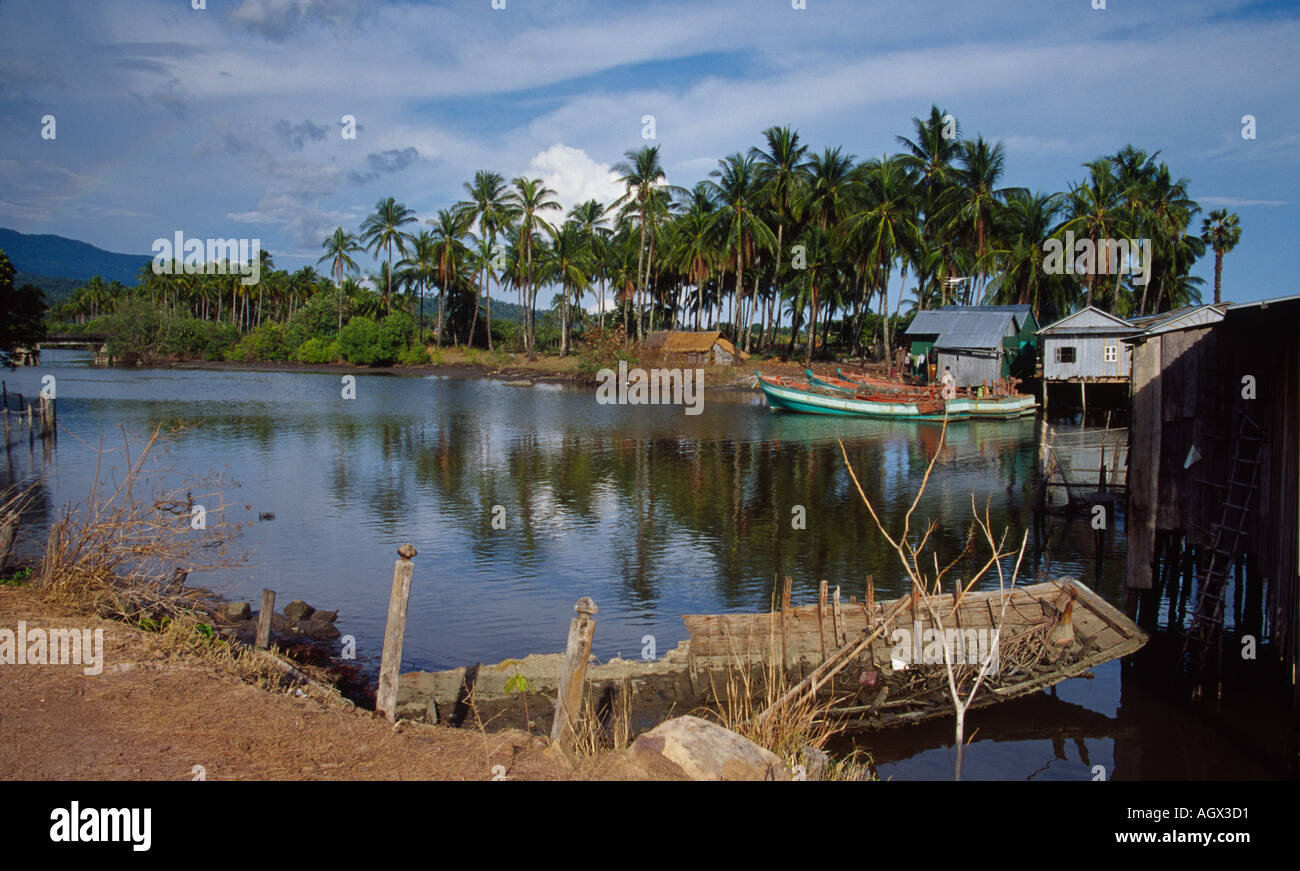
(790, 395)
(967, 403)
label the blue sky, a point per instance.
(225, 121)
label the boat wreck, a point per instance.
(871, 664)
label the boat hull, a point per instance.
(790, 398)
(983, 408)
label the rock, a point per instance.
(298, 610)
(266, 515)
(320, 630)
(235, 612)
(700, 750)
(814, 762)
(325, 616)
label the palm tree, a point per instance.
(974, 202)
(383, 230)
(567, 262)
(1097, 207)
(783, 170)
(1221, 231)
(830, 182)
(489, 204)
(590, 218)
(885, 228)
(739, 190)
(338, 250)
(529, 199)
(420, 268)
(641, 174)
(448, 254)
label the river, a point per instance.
(520, 500)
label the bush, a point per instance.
(190, 338)
(359, 341)
(318, 318)
(132, 328)
(415, 356)
(317, 350)
(602, 350)
(267, 342)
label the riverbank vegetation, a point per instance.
(801, 245)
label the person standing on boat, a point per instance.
(947, 384)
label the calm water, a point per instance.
(650, 512)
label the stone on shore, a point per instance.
(234, 612)
(696, 749)
(325, 616)
(298, 610)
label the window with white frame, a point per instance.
(1111, 354)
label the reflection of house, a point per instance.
(701, 349)
(978, 343)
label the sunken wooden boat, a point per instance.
(790, 395)
(886, 660)
(1052, 631)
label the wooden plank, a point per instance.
(573, 674)
(264, 619)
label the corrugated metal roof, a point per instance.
(964, 328)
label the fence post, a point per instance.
(264, 619)
(573, 676)
(390, 666)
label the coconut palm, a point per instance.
(339, 248)
(448, 252)
(1221, 231)
(489, 203)
(382, 230)
(783, 170)
(566, 261)
(419, 269)
(739, 191)
(529, 199)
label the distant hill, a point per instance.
(57, 257)
(56, 289)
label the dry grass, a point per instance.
(125, 551)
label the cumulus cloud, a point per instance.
(575, 177)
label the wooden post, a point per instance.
(573, 677)
(1083, 395)
(821, 618)
(264, 619)
(390, 666)
(871, 598)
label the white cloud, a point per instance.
(1237, 202)
(575, 177)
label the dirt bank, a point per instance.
(148, 717)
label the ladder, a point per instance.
(1226, 540)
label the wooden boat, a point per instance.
(1051, 631)
(967, 402)
(791, 395)
(863, 384)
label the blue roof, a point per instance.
(965, 327)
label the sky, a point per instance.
(227, 121)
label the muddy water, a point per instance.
(520, 500)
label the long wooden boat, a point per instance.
(967, 403)
(863, 384)
(790, 395)
(1051, 632)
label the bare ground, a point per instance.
(148, 717)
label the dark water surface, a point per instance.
(651, 512)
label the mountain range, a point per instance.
(56, 264)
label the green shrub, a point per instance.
(317, 350)
(267, 342)
(359, 341)
(132, 328)
(190, 338)
(415, 356)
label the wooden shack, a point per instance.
(1214, 461)
(972, 341)
(1084, 348)
(708, 348)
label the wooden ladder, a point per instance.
(1226, 538)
